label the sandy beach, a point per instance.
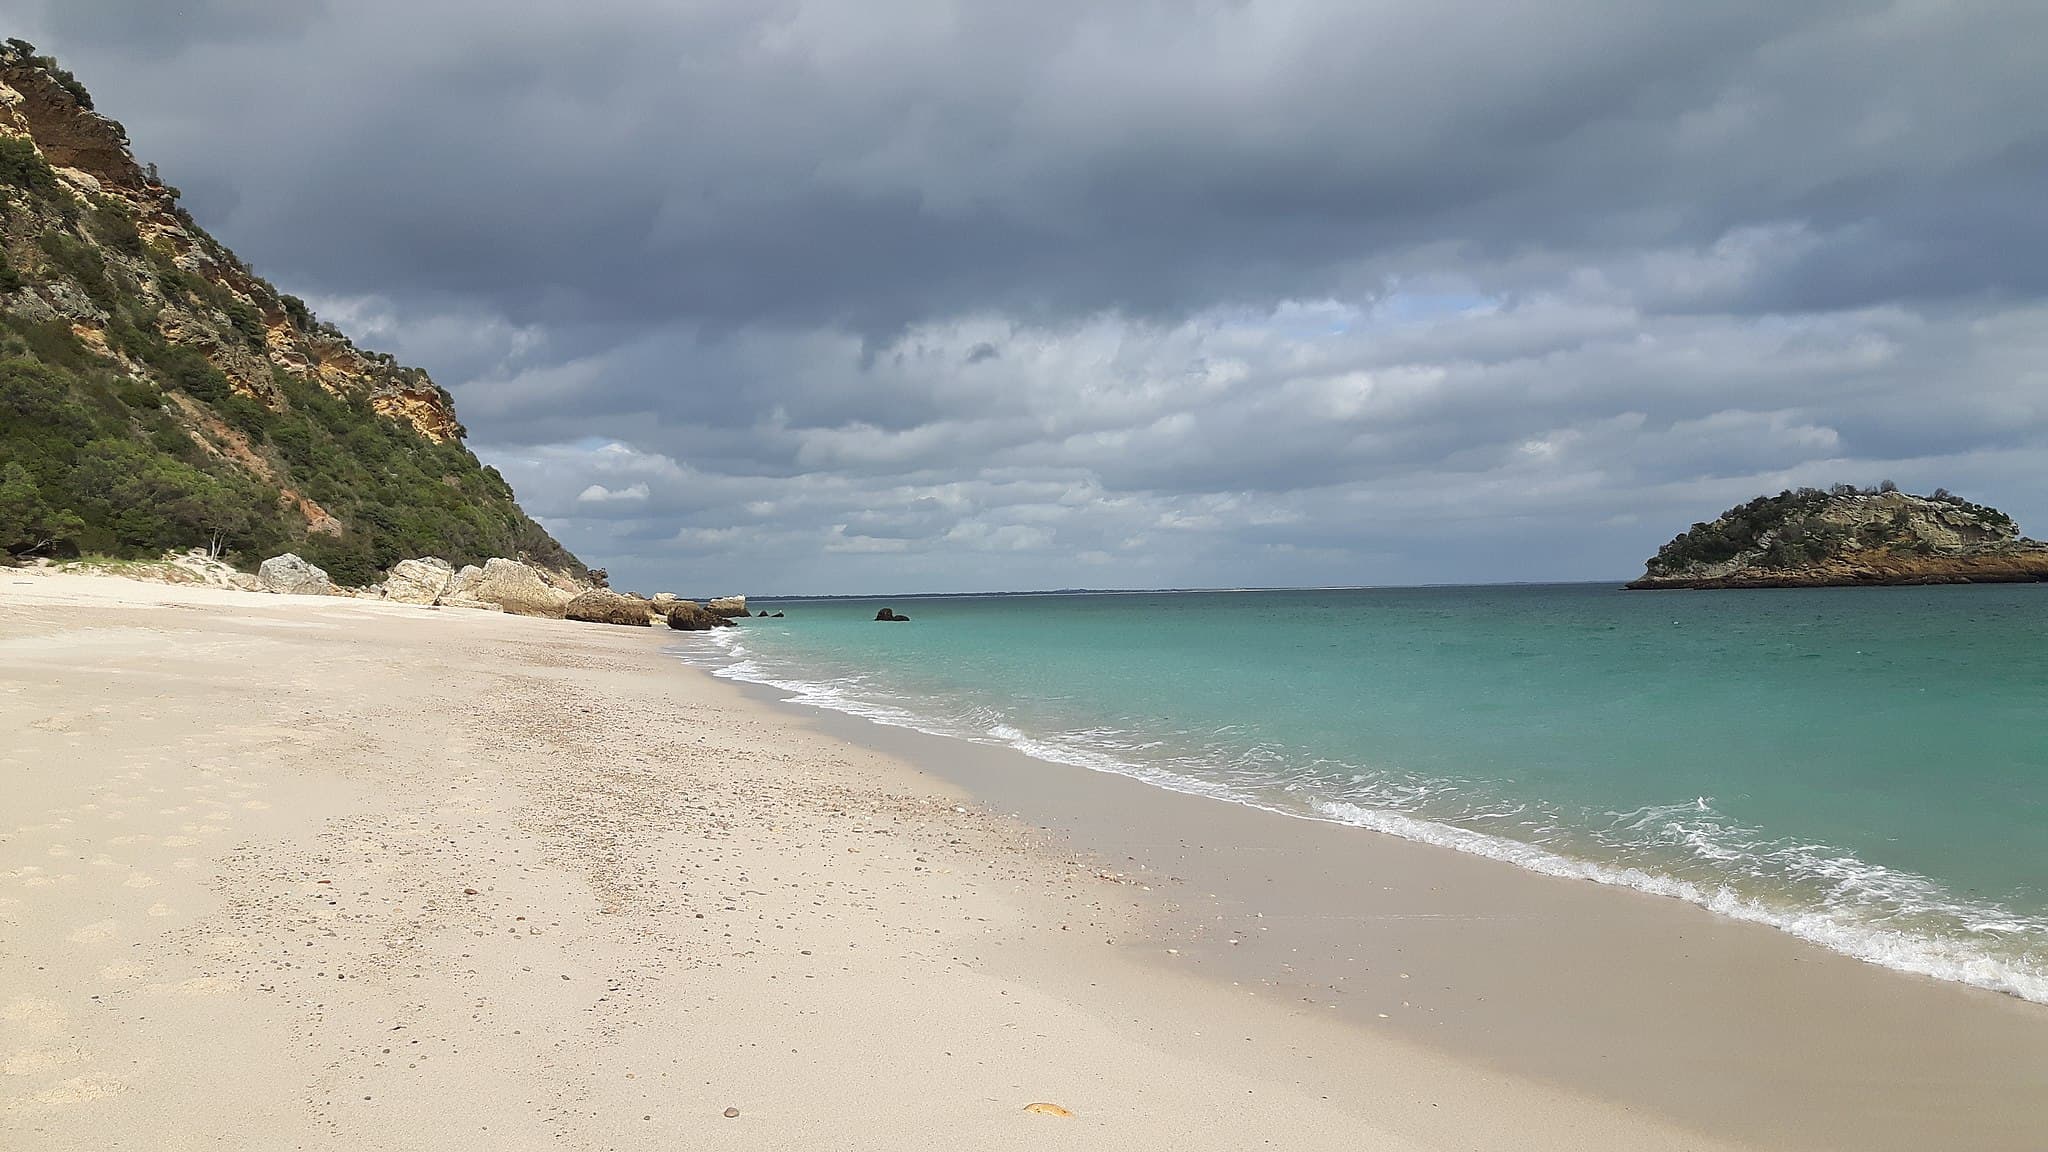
(325, 873)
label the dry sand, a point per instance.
(286, 872)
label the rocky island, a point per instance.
(1845, 535)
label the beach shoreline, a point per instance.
(340, 873)
(1733, 1028)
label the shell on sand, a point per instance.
(1044, 1109)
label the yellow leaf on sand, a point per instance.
(1044, 1109)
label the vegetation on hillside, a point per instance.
(1790, 532)
(120, 435)
(92, 460)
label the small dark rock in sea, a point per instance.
(777, 616)
(890, 615)
(762, 612)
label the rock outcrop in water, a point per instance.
(1809, 538)
(690, 616)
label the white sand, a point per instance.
(285, 872)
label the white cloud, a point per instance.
(599, 494)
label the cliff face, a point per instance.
(244, 327)
(156, 393)
(1847, 536)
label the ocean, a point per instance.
(1863, 768)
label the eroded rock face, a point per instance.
(520, 589)
(420, 581)
(291, 576)
(728, 606)
(600, 606)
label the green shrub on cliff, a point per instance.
(24, 167)
(61, 76)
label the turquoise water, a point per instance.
(1865, 768)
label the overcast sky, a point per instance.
(898, 295)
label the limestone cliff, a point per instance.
(1845, 536)
(156, 393)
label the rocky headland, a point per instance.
(1843, 536)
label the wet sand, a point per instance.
(1733, 1029)
(327, 873)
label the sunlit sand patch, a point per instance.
(77, 1090)
(105, 861)
(197, 986)
(28, 1061)
(60, 850)
(124, 970)
(159, 909)
(184, 862)
(139, 880)
(180, 841)
(257, 804)
(95, 932)
(137, 838)
(33, 1011)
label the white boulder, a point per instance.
(292, 576)
(520, 589)
(420, 581)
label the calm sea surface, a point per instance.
(1865, 768)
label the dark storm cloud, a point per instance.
(875, 163)
(907, 291)
(165, 27)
